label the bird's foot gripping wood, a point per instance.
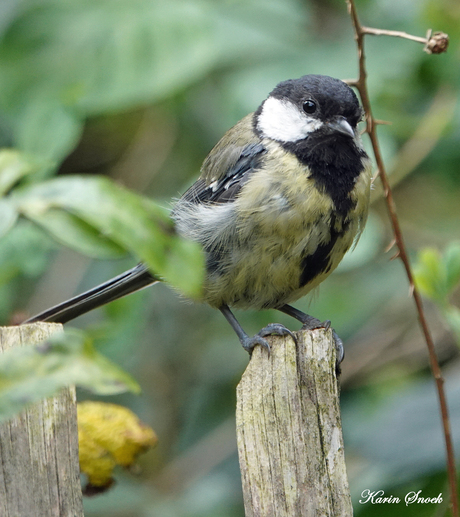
(338, 343)
(271, 329)
(248, 343)
(311, 323)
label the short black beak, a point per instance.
(342, 126)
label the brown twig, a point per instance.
(435, 42)
(361, 85)
(397, 34)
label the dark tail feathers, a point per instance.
(128, 282)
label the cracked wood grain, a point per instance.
(39, 470)
(289, 430)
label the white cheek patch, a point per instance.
(281, 120)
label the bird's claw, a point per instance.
(249, 343)
(276, 329)
(314, 323)
(326, 324)
(311, 323)
(272, 329)
(339, 350)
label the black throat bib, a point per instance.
(335, 162)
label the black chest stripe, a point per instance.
(319, 261)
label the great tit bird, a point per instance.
(280, 199)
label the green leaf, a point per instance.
(151, 50)
(24, 250)
(8, 216)
(64, 61)
(452, 265)
(430, 275)
(133, 223)
(438, 275)
(13, 167)
(30, 373)
(72, 231)
(47, 129)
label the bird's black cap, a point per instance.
(333, 95)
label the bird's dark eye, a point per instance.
(309, 107)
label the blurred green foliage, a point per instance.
(138, 91)
(437, 276)
(103, 220)
(28, 373)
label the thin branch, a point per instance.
(361, 85)
(435, 42)
(396, 34)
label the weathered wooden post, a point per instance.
(39, 470)
(289, 430)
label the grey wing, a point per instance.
(228, 166)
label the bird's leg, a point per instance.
(311, 323)
(249, 343)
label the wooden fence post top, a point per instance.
(289, 430)
(39, 469)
